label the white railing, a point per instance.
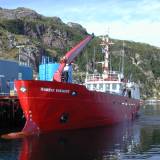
(112, 75)
(94, 77)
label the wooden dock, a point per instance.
(11, 114)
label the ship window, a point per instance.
(64, 118)
(114, 86)
(107, 87)
(120, 87)
(89, 86)
(94, 86)
(100, 86)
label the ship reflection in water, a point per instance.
(135, 140)
(76, 145)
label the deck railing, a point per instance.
(112, 75)
(94, 77)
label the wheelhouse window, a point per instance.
(114, 86)
(94, 86)
(107, 87)
(89, 86)
(100, 87)
(120, 87)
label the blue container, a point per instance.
(46, 71)
(10, 71)
(25, 73)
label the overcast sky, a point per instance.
(137, 20)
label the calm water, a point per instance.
(136, 140)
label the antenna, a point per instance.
(94, 59)
(123, 58)
(87, 67)
(87, 61)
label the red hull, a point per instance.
(44, 103)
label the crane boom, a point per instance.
(70, 56)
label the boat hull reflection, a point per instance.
(80, 144)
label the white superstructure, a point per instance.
(111, 81)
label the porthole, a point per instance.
(64, 118)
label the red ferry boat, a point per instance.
(103, 99)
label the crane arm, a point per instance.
(70, 56)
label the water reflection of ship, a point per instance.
(80, 144)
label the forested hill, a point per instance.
(25, 32)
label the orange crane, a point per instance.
(70, 56)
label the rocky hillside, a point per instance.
(25, 32)
(31, 35)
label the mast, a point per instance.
(94, 59)
(105, 48)
(121, 65)
(123, 59)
